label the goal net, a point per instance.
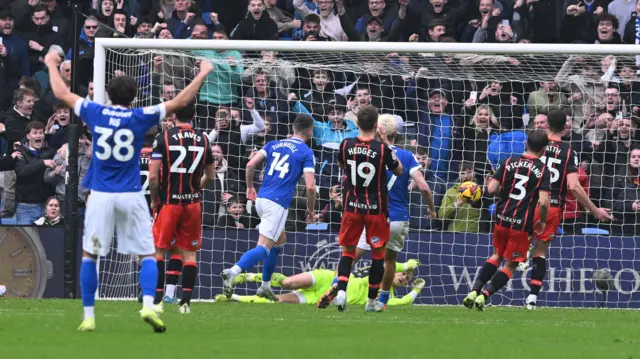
(461, 108)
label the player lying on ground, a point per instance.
(287, 161)
(309, 287)
(562, 163)
(117, 202)
(522, 181)
(398, 187)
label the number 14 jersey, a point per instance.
(286, 161)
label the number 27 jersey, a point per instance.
(286, 161)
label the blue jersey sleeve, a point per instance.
(414, 165)
(88, 111)
(266, 150)
(151, 115)
(309, 162)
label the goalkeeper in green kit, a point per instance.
(309, 287)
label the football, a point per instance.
(470, 192)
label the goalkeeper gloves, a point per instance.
(412, 264)
(418, 285)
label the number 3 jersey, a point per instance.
(365, 163)
(184, 154)
(118, 136)
(521, 177)
(286, 161)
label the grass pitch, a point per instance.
(47, 329)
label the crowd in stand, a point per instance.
(461, 114)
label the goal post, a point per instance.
(482, 113)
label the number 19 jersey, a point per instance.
(118, 137)
(286, 161)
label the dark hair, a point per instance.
(556, 120)
(145, 20)
(537, 141)
(436, 22)
(121, 12)
(467, 165)
(30, 83)
(609, 17)
(422, 151)
(150, 136)
(122, 90)
(60, 106)
(361, 86)
(220, 30)
(19, 94)
(302, 123)
(187, 113)
(39, 8)
(367, 118)
(313, 18)
(232, 200)
(46, 203)
(34, 125)
(168, 83)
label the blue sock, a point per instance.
(148, 276)
(384, 296)
(88, 281)
(335, 281)
(252, 257)
(270, 263)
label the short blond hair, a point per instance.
(388, 122)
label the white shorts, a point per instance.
(126, 215)
(272, 218)
(399, 232)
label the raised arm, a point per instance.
(52, 60)
(255, 127)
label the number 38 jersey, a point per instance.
(286, 161)
(560, 161)
(365, 163)
(118, 136)
(184, 154)
(521, 177)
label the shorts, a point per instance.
(510, 244)
(124, 214)
(273, 217)
(551, 228)
(377, 226)
(322, 280)
(399, 231)
(180, 222)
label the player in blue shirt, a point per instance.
(398, 187)
(117, 203)
(287, 160)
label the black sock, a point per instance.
(160, 285)
(537, 274)
(344, 271)
(376, 272)
(487, 271)
(173, 271)
(189, 273)
(498, 281)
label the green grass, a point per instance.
(47, 329)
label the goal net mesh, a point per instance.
(459, 113)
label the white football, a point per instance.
(3, 290)
(57, 49)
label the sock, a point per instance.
(344, 270)
(335, 281)
(88, 285)
(269, 265)
(376, 272)
(173, 274)
(537, 274)
(488, 270)
(498, 281)
(249, 299)
(189, 273)
(251, 258)
(160, 286)
(148, 280)
(384, 296)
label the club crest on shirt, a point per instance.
(375, 240)
(194, 243)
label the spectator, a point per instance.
(580, 25)
(629, 88)
(103, 10)
(60, 21)
(362, 99)
(310, 30)
(503, 34)
(182, 19)
(278, 74)
(55, 176)
(607, 30)
(375, 30)
(459, 215)
(38, 34)
(168, 91)
(625, 194)
(86, 51)
(14, 55)
(614, 150)
(508, 143)
(623, 10)
(217, 193)
(119, 21)
(506, 107)
(173, 68)
(579, 145)
(331, 212)
(52, 215)
(612, 103)
(284, 22)
(378, 8)
(234, 218)
(436, 30)
(418, 208)
(629, 35)
(474, 141)
(601, 128)
(446, 11)
(336, 128)
(257, 25)
(57, 130)
(31, 189)
(545, 99)
(329, 22)
(573, 211)
(488, 20)
(540, 122)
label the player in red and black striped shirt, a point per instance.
(365, 161)
(562, 164)
(181, 156)
(522, 181)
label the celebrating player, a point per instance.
(287, 160)
(308, 287)
(562, 163)
(117, 201)
(365, 206)
(180, 158)
(521, 181)
(398, 187)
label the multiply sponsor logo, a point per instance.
(559, 280)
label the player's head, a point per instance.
(537, 142)
(556, 120)
(367, 118)
(122, 90)
(185, 114)
(303, 127)
(402, 279)
(388, 124)
(150, 136)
